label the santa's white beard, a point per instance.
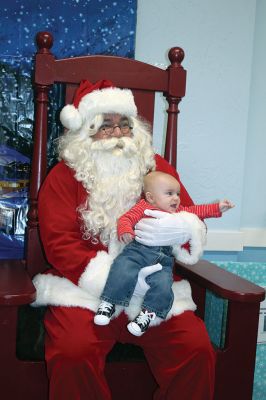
(114, 183)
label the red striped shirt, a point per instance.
(128, 220)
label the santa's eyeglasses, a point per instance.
(109, 129)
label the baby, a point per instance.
(162, 192)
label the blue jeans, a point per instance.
(123, 277)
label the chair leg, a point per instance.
(236, 362)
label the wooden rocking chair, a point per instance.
(23, 377)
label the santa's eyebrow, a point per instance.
(123, 119)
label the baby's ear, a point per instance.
(149, 197)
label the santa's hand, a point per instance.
(142, 286)
(163, 229)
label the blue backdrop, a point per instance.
(79, 27)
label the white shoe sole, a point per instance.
(133, 331)
(101, 322)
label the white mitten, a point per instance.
(163, 229)
(142, 286)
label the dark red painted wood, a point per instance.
(223, 283)
(236, 362)
(176, 90)
(232, 381)
(16, 287)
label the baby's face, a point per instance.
(166, 195)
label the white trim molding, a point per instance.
(229, 240)
(224, 240)
(254, 237)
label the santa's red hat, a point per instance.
(101, 97)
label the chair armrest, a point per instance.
(16, 287)
(222, 282)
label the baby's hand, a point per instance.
(225, 205)
(126, 238)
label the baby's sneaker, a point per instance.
(104, 313)
(141, 323)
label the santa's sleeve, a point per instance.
(60, 232)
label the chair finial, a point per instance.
(44, 42)
(176, 56)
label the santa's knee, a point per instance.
(203, 352)
(200, 349)
(72, 347)
(191, 338)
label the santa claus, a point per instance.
(104, 155)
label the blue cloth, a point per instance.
(123, 277)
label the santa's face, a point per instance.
(114, 125)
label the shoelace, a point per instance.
(104, 307)
(144, 318)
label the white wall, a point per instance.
(255, 162)
(221, 140)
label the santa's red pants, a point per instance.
(178, 351)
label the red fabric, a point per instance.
(178, 351)
(203, 210)
(60, 227)
(128, 220)
(61, 236)
(87, 87)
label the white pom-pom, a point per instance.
(70, 117)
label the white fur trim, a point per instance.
(197, 231)
(53, 290)
(111, 100)
(115, 247)
(70, 117)
(57, 291)
(104, 101)
(94, 277)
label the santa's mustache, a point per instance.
(123, 145)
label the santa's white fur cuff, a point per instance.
(53, 290)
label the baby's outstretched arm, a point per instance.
(225, 205)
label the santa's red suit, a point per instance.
(178, 350)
